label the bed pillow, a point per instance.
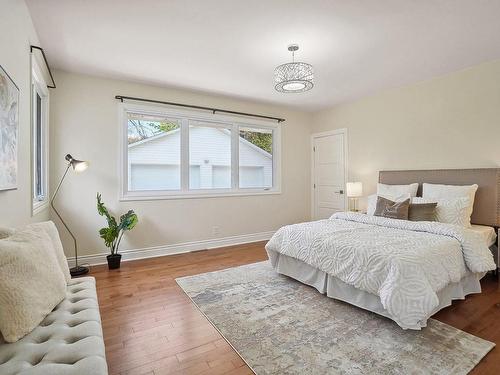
(394, 210)
(436, 191)
(384, 190)
(450, 211)
(422, 211)
(372, 201)
(31, 282)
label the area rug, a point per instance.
(280, 326)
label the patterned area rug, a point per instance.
(280, 326)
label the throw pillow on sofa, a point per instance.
(31, 282)
(50, 228)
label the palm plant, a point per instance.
(113, 233)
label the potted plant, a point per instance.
(113, 233)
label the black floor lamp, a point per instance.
(78, 166)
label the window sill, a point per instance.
(131, 196)
(39, 206)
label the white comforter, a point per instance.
(403, 262)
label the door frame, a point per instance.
(313, 190)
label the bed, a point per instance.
(404, 270)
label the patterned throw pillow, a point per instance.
(451, 211)
(31, 282)
(393, 210)
(437, 192)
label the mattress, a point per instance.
(488, 233)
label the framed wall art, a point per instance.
(9, 131)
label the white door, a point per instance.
(329, 173)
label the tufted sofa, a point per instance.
(69, 340)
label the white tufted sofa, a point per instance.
(69, 340)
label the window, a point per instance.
(256, 158)
(154, 152)
(169, 153)
(210, 153)
(40, 103)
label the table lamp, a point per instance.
(354, 191)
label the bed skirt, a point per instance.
(335, 288)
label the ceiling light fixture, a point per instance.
(294, 76)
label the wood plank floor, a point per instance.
(151, 327)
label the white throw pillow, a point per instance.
(436, 191)
(31, 282)
(50, 228)
(372, 201)
(387, 191)
(450, 211)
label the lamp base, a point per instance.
(78, 270)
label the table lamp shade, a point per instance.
(354, 189)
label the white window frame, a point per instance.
(233, 122)
(39, 86)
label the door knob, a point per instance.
(339, 192)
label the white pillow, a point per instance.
(384, 190)
(31, 282)
(372, 201)
(50, 228)
(436, 191)
(450, 211)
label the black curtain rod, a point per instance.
(53, 86)
(213, 110)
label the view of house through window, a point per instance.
(158, 148)
(256, 158)
(209, 156)
(154, 153)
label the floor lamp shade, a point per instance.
(78, 166)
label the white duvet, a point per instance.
(403, 262)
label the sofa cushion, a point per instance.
(31, 282)
(69, 340)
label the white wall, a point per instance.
(447, 122)
(84, 116)
(16, 35)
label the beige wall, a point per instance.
(16, 35)
(84, 119)
(448, 122)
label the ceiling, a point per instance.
(231, 47)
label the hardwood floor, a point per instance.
(151, 327)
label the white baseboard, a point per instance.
(158, 251)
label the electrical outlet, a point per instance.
(215, 230)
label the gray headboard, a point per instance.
(487, 200)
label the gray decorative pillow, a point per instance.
(422, 212)
(394, 210)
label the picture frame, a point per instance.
(9, 131)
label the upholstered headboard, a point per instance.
(487, 201)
